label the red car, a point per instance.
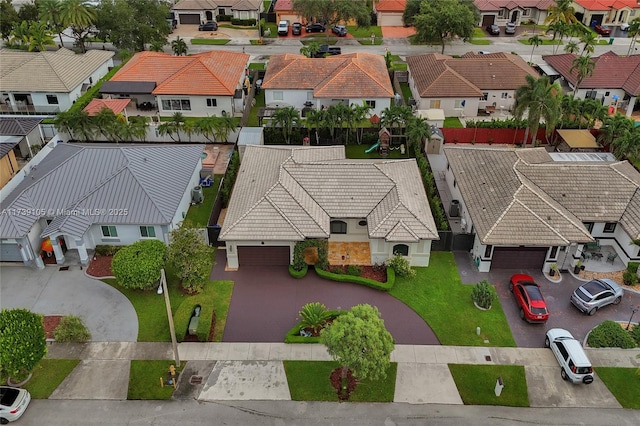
(603, 29)
(533, 308)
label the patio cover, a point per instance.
(7, 145)
(115, 105)
(128, 87)
(578, 138)
(431, 114)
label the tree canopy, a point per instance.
(22, 342)
(138, 266)
(332, 12)
(541, 100)
(190, 256)
(359, 340)
(443, 20)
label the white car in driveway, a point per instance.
(13, 403)
(574, 364)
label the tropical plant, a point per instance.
(286, 119)
(627, 145)
(10, 19)
(179, 46)
(417, 131)
(396, 116)
(534, 41)
(332, 12)
(79, 16)
(138, 266)
(31, 36)
(633, 33)
(541, 99)
(173, 127)
(572, 47)
(563, 11)
(22, 342)
(310, 49)
(613, 127)
(157, 46)
(401, 266)
(71, 329)
(191, 257)
(483, 294)
(77, 124)
(609, 334)
(49, 12)
(313, 120)
(589, 40)
(314, 316)
(559, 29)
(584, 66)
(360, 113)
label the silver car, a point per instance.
(13, 403)
(596, 294)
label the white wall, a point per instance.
(185, 202)
(419, 253)
(127, 234)
(297, 99)
(199, 106)
(602, 93)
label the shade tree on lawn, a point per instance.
(333, 12)
(191, 257)
(444, 20)
(22, 343)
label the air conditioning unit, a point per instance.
(197, 196)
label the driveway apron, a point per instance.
(266, 302)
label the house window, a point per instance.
(484, 96)
(362, 223)
(176, 105)
(504, 95)
(526, 12)
(606, 93)
(434, 103)
(221, 11)
(338, 227)
(502, 13)
(459, 103)
(147, 231)
(309, 96)
(371, 104)
(591, 94)
(211, 102)
(52, 99)
(109, 231)
(487, 251)
(609, 227)
(455, 183)
(402, 249)
(278, 95)
(554, 252)
(588, 225)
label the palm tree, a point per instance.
(332, 120)
(208, 127)
(78, 124)
(584, 66)
(138, 127)
(80, 16)
(396, 116)
(105, 123)
(569, 109)
(226, 125)
(313, 120)
(340, 112)
(627, 145)
(633, 33)
(157, 46)
(417, 132)
(310, 49)
(360, 112)
(286, 119)
(173, 127)
(613, 128)
(49, 12)
(540, 98)
(535, 41)
(179, 46)
(593, 110)
(561, 29)
(589, 39)
(572, 47)
(38, 38)
(561, 12)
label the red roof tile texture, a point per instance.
(208, 73)
(115, 105)
(611, 71)
(608, 4)
(391, 5)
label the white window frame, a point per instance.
(458, 104)
(278, 95)
(170, 102)
(148, 228)
(109, 229)
(212, 103)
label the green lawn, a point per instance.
(252, 120)
(309, 381)
(362, 32)
(453, 122)
(367, 42)
(479, 41)
(214, 41)
(544, 42)
(261, 66)
(479, 33)
(198, 215)
(438, 296)
(357, 151)
(476, 384)
(320, 39)
(144, 379)
(406, 92)
(623, 383)
(48, 375)
(272, 27)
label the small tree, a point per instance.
(191, 257)
(71, 329)
(313, 316)
(22, 342)
(138, 266)
(483, 294)
(358, 340)
(401, 266)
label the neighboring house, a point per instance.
(615, 80)
(199, 85)
(118, 106)
(529, 211)
(200, 11)
(500, 12)
(8, 163)
(606, 12)
(298, 81)
(463, 86)
(25, 132)
(288, 194)
(284, 12)
(48, 82)
(389, 12)
(81, 196)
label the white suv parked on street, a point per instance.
(574, 364)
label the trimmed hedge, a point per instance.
(293, 335)
(610, 334)
(298, 274)
(183, 315)
(323, 253)
(224, 18)
(391, 279)
(243, 22)
(105, 250)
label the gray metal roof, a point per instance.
(147, 181)
(16, 126)
(128, 87)
(6, 147)
(250, 136)
(523, 197)
(292, 193)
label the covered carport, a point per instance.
(575, 140)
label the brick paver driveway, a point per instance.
(266, 301)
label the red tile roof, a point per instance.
(608, 4)
(442, 76)
(356, 75)
(115, 105)
(391, 5)
(611, 71)
(208, 73)
(283, 5)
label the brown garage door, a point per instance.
(263, 256)
(488, 20)
(518, 257)
(190, 18)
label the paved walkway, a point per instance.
(254, 371)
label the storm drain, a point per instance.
(195, 380)
(487, 358)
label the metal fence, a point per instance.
(453, 241)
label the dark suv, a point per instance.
(296, 28)
(315, 28)
(209, 26)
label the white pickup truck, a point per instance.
(283, 28)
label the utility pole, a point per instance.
(172, 330)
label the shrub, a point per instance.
(224, 18)
(182, 316)
(400, 266)
(22, 342)
(243, 22)
(483, 294)
(391, 279)
(630, 278)
(105, 250)
(71, 329)
(138, 266)
(298, 274)
(635, 334)
(354, 270)
(610, 334)
(230, 178)
(191, 257)
(293, 335)
(633, 267)
(323, 254)
(313, 316)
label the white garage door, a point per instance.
(9, 251)
(390, 20)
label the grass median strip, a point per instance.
(144, 379)
(623, 383)
(48, 375)
(309, 381)
(476, 384)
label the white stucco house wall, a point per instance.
(500, 12)
(81, 196)
(283, 195)
(48, 82)
(200, 11)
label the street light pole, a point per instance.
(259, 31)
(633, 312)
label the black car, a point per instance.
(209, 26)
(493, 29)
(315, 28)
(296, 28)
(339, 30)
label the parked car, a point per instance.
(315, 28)
(529, 298)
(283, 28)
(624, 27)
(602, 29)
(493, 29)
(339, 30)
(208, 26)
(326, 50)
(574, 364)
(510, 28)
(13, 403)
(596, 294)
(296, 28)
